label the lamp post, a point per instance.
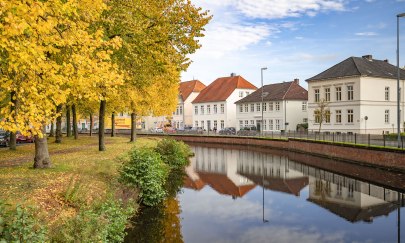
(398, 88)
(261, 126)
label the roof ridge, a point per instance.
(289, 87)
(355, 64)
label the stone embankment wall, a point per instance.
(386, 158)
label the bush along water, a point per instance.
(148, 169)
(20, 224)
(174, 153)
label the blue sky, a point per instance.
(293, 38)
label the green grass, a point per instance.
(77, 167)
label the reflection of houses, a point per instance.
(271, 171)
(217, 168)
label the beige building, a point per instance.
(361, 95)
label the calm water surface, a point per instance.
(233, 194)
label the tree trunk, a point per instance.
(52, 132)
(101, 144)
(75, 130)
(91, 124)
(133, 127)
(68, 126)
(13, 141)
(113, 124)
(13, 138)
(41, 159)
(58, 137)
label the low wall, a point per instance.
(386, 158)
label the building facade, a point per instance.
(284, 107)
(214, 108)
(360, 95)
(188, 91)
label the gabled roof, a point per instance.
(223, 185)
(280, 91)
(360, 66)
(186, 88)
(222, 88)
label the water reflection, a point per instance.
(229, 192)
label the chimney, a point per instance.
(297, 81)
(386, 60)
(368, 57)
(233, 74)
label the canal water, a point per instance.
(240, 194)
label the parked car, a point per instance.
(4, 139)
(248, 131)
(23, 139)
(196, 130)
(157, 130)
(228, 131)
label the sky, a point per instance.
(293, 38)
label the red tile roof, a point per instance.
(222, 88)
(196, 185)
(223, 185)
(186, 88)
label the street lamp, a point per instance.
(398, 88)
(261, 72)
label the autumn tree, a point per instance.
(35, 38)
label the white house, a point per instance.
(215, 106)
(361, 96)
(188, 91)
(284, 107)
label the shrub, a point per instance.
(105, 223)
(20, 225)
(145, 170)
(174, 153)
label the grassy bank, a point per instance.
(82, 178)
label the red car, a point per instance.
(23, 139)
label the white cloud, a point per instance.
(366, 34)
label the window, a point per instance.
(265, 125)
(202, 124)
(196, 123)
(271, 106)
(202, 110)
(208, 109)
(215, 109)
(222, 108)
(338, 116)
(277, 124)
(304, 106)
(246, 122)
(258, 107)
(247, 93)
(240, 124)
(317, 95)
(387, 116)
(240, 108)
(350, 116)
(338, 93)
(222, 124)
(327, 116)
(277, 106)
(246, 108)
(305, 120)
(252, 122)
(264, 106)
(317, 116)
(327, 94)
(196, 110)
(181, 110)
(387, 93)
(350, 92)
(240, 93)
(252, 107)
(270, 124)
